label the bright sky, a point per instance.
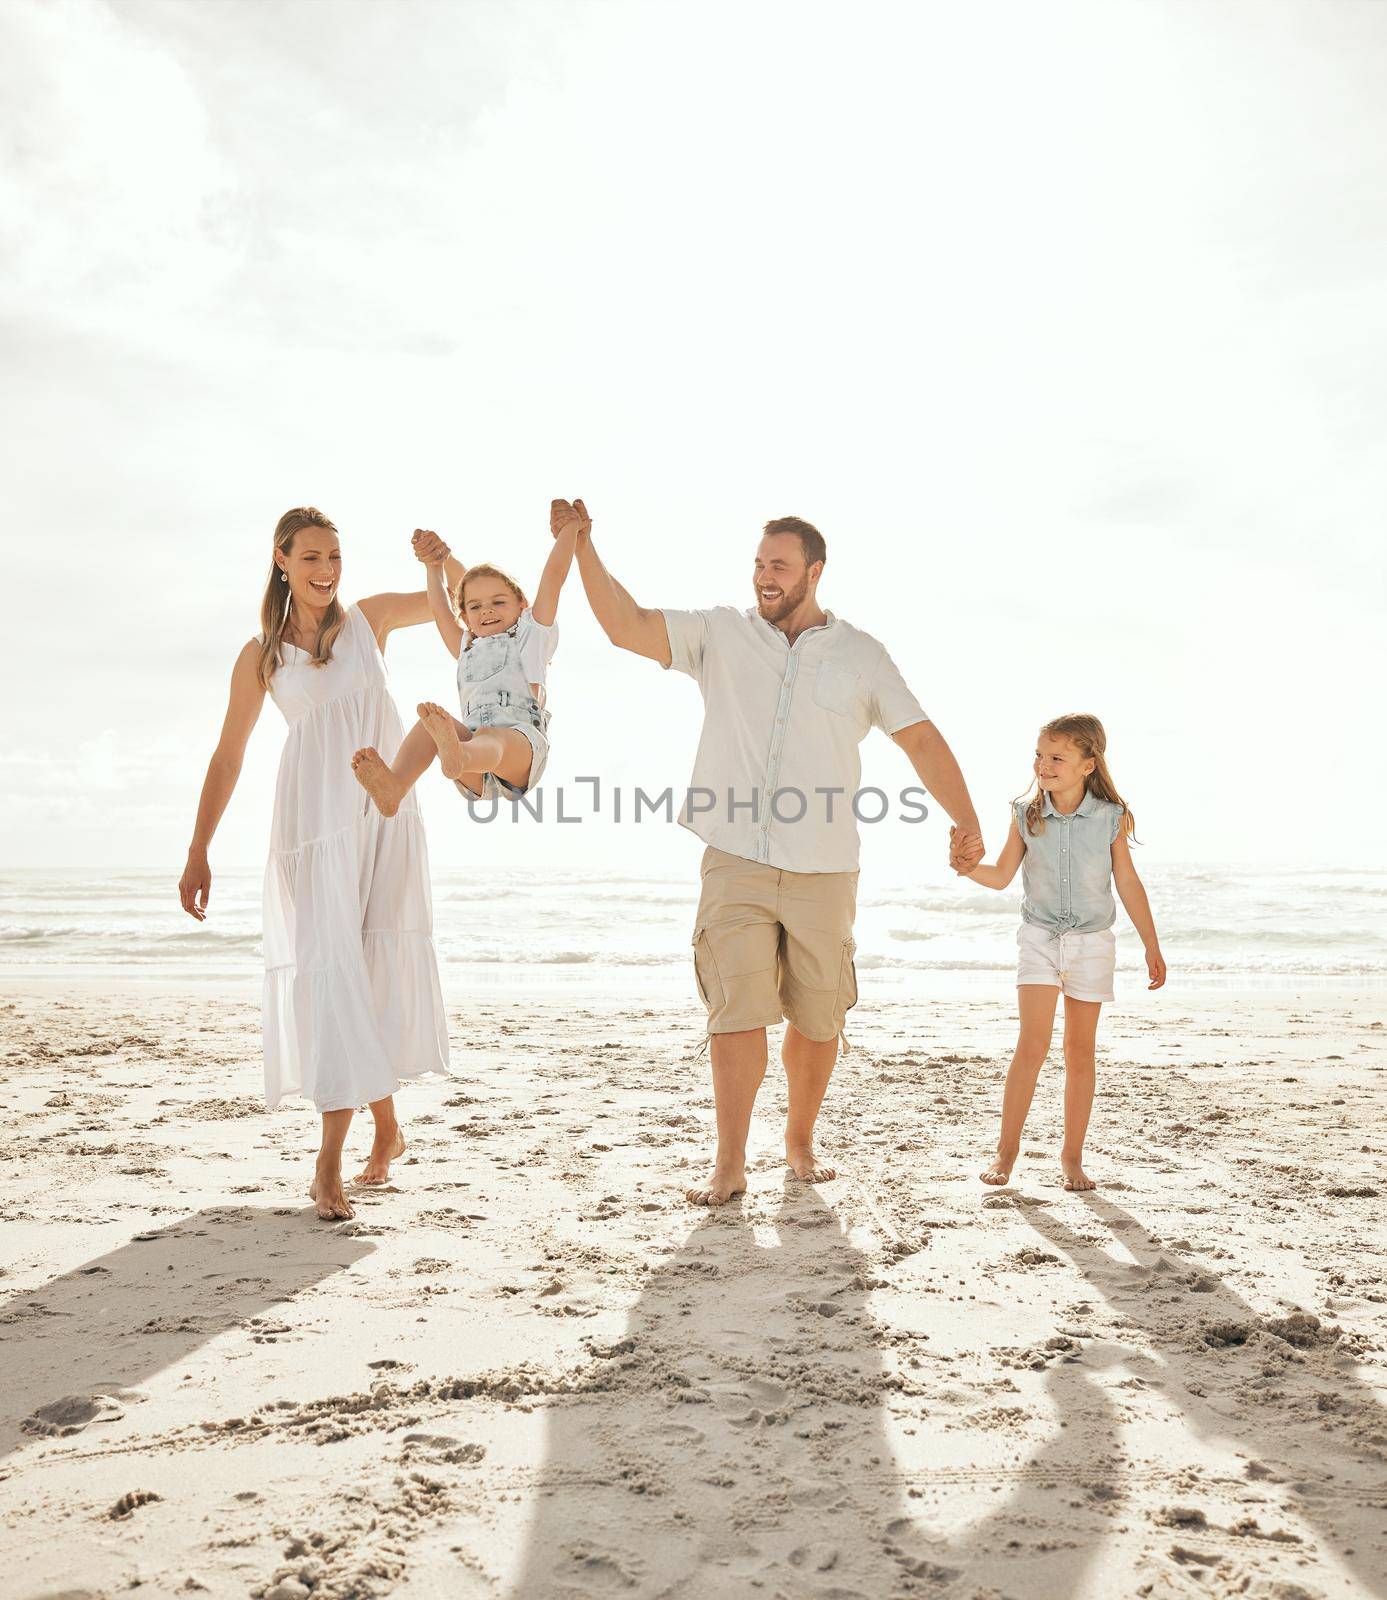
(1065, 323)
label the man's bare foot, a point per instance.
(725, 1183)
(1075, 1177)
(1000, 1170)
(326, 1189)
(807, 1167)
(444, 733)
(378, 781)
(386, 1148)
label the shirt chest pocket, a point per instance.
(837, 689)
(484, 659)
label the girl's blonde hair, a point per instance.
(1087, 733)
(274, 608)
(485, 570)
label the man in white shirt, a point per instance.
(789, 693)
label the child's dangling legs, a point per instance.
(1036, 1002)
(462, 754)
(1080, 1033)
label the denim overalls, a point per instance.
(495, 693)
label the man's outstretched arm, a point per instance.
(627, 625)
(940, 773)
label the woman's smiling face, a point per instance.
(313, 566)
(489, 606)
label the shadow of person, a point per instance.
(734, 1442)
(72, 1350)
(727, 1443)
(1279, 1389)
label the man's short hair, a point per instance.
(809, 536)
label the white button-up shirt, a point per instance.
(778, 768)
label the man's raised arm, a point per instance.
(627, 625)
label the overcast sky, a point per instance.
(1065, 323)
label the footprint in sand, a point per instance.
(75, 1412)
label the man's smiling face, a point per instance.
(780, 575)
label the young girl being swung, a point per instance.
(1070, 840)
(503, 648)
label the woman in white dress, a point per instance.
(352, 1002)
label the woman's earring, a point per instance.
(284, 577)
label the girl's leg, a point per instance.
(388, 785)
(388, 1145)
(504, 751)
(1080, 1034)
(1036, 1002)
(326, 1187)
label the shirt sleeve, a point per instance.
(688, 640)
(1116, 824)
(893, 707)
(538, 643)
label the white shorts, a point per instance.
(1080, 965)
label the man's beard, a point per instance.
(789, 599)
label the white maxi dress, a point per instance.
(352, 1001)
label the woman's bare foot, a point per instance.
(387, 1147)
(443, 730)
(806, 1166)
(1000, 1170)
(378, 781)
(326, 1190)
(1075, 1177)
(725, 1183)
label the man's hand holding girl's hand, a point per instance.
(569, 517)
(965, 849)
(429, 548)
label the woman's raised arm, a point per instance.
(386, 612)
(242, 713)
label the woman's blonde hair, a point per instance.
(484, 569)
(274, 608)
(1087, 733)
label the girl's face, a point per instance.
(313, 565)
(1060, 764)
(489, 606)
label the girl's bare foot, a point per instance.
(444, 733)
(726, 1182)
(1000, 1170)
(378, 781)
(326, 1190)
(806, 1166)
(1074, 1176)
(386, 1148)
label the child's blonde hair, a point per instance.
(484, 569)
(1087, 733)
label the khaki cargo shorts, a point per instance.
(769, 944)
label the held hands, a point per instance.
(429, 548)
(1155, 966)
(571, 518)
(965, 849)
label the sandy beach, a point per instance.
(529, 1369)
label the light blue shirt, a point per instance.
(1066, 872)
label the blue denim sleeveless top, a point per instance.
(492, 686)
(1066, 872)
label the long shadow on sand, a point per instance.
(734, 1443)
(1279, 1389)
(70, 1350)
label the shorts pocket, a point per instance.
(706, 978)
(847, 977)
(836, 689)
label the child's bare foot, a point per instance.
(444, 733)
(1074, 1176)
(378, 781)
(326, 1189)
(806, 1166)
(725, 1182)
(1000, 1170)
(387, 1147)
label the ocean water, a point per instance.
(1229, 926)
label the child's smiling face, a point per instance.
(489, 606)
(1060, 765)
